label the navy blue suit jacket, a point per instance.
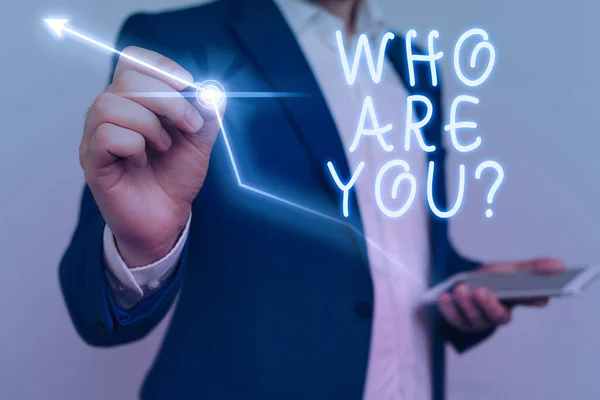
(275, 302)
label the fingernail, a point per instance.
(166, 138)
(194, 119)
(144, 161)
(183, 74)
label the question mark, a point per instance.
(490, 197)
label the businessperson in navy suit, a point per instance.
(276, 300)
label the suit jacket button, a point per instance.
(99, 329)
(364, 309)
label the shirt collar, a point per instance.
(302, 14)
(371, 19)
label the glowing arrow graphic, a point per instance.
(210, 91)
(59, 26)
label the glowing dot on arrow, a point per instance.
(210, 94)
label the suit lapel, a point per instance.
(270, 44)
(285, 68)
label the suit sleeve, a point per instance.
(83, 274)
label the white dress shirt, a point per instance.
(399, 360)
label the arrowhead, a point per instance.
(57, 25)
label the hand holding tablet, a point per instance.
(521, 285)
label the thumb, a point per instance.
(213, 121)
(538, 266)
(501, 268)
(543, 266)
(211, 108)
(207, 100)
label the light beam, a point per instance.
(59, 27)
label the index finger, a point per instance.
(448, 309)
(155, 65)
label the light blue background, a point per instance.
(537, 115)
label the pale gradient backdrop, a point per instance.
(537, 115)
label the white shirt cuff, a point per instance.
(130, 285)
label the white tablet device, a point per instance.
(521, 285)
